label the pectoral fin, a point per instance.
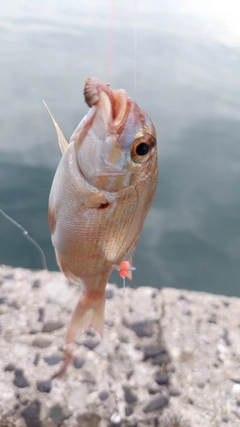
(62, 140)
(96, 200)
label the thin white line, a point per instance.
(25, 233)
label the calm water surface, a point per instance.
(187, 57)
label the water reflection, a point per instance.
(188, 80)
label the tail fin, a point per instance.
(88, 312)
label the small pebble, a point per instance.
(116, 420)
(129, 396)
(198, 325)
(9, 276)
(238, 402)
(174, 392)
(14, 304)
(33, 331)
(182, 298)
(201, 385)
(3, 300)
(226, 303)
(212, 319)
(9, 368)
(157, 403)
(20, 380)
(78, 363)
(161, 378)
(128, 410)
(103, 395)
(187, 312)
(143, 329)
(153, 388)
(152, 351)
(91, 344)
(42, 342)
(44, 386)
(31, 414)
(90, 333)
(41, 314)
(124, 338)
(8, 335)
(54, 359)
(36, 359)
(52, 326)
(225, 419)
(57, 414)
(109, 293)
(160, 359)
(235, 380)
(129, 374)
(221, 352)
(109, 323)
(36, 284)
(236, 390)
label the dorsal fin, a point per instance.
(62, 140)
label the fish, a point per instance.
(101, 193)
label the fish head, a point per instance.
(116, 140)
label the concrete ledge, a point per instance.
(169, 358)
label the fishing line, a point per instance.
(116, 418)
(135, 51)
(135, 45)
(25, 233)
(110, 44)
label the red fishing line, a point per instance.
(125, 268)
(110, 43)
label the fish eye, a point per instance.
(142, 148)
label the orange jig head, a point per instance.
(125, 269)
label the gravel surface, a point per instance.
(169, 358)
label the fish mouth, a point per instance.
(114, 103)
(102, 159)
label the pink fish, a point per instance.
(101, 193)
